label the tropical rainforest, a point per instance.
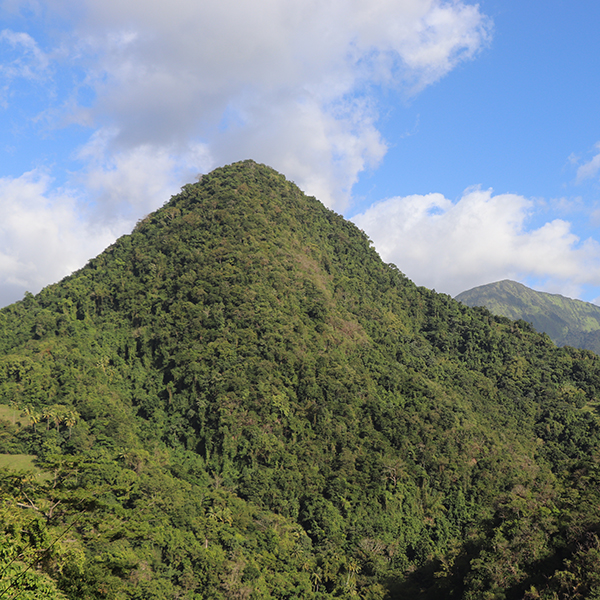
(240, 399)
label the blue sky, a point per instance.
(463, 138)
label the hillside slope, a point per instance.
(241, 400)
(568, 322)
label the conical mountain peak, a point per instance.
(240, 399)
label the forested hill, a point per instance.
(241, 400)
(568, 322)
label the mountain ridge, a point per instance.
(241, 400)
(567, 321)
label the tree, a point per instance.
(49, 414)
(70, 419)
(32, 415)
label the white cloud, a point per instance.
(481, 238)
(590, 169)
(322, 151)
(286, 83)
(124, 185)
(42, 235)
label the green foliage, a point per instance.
(240, 400)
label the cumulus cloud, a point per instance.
(42, 235)
(481, 238)
(124, 185)
(285, 83)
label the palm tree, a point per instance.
(316, 579)
(58, 416)
(32, 415)
(48, 414)
(71, 417)
(35, 417)
(353, 568)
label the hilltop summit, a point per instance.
(241, 400)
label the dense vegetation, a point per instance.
(241, 400)
(568, 322)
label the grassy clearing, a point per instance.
(14, 415)
(8, 412)
(22, 462)
(18, 462)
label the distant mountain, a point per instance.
(568, 322)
